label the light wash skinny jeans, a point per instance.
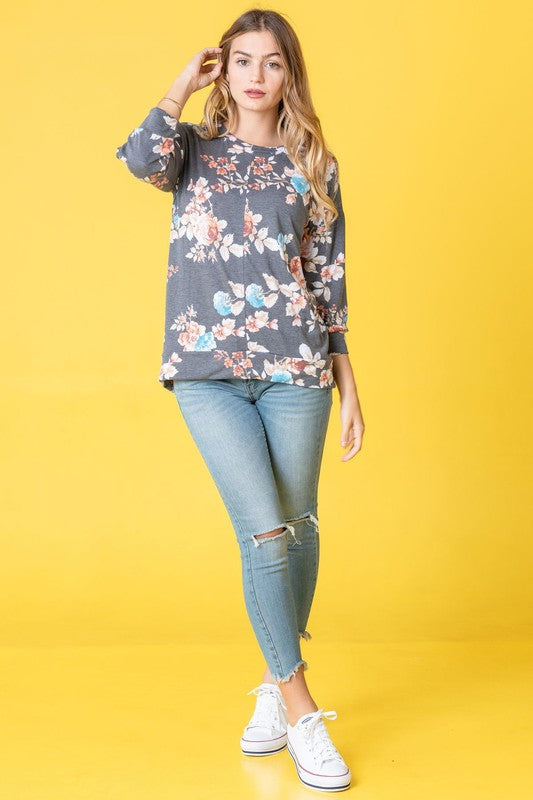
(262, 442)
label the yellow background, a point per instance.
(113, 534)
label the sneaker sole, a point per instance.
(263, 752)
(275, 749)
(316, 786)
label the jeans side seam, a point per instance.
(254, 594)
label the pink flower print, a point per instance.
(166, 147)
(181, 319)
(249, 221)
(326, 377)
(156, 180)
(311, 360)
(168, 370)
(295, 365)
(294, 306)
(206, 228)
(309, 251)
(295, 268)
(224, 167)
(261, 169)
(221, 165)
(223, 329)
(201, 190)
(260, 320)
(236, 362)
(190, 336)
(172, 269)
(333, 272)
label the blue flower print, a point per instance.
(255, 295)
(222, 303)
(300, 183)
(205, 342)
(281, 377)
(282, 240)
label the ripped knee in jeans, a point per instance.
(258, 538)
(269, 535)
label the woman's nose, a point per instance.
(257, 75)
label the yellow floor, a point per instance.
(415, 720)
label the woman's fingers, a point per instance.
(354, 438)
(349, 454)
(347, 436)
(206, 68)
(212, 70)
(208, 53)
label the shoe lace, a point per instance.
(318, 738)
(267, 713)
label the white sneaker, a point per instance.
(266, 732)
(318, 762)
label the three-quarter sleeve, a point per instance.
(323, 260)
(155, 152)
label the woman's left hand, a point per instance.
(352, 426)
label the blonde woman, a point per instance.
(256, 316)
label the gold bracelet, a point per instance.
(174, 101)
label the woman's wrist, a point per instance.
(343, 376)
(175, 98)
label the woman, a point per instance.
(256, 315)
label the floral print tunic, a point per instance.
(255, 285)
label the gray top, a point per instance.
(255, 287)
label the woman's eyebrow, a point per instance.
(250, 55)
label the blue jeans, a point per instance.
(262, 442)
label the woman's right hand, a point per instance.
(196, 75)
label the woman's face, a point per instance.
(255, 63)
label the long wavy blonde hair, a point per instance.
(298, 125)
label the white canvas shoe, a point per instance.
(318, 762)
(266, 732)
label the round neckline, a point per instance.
(232, 137)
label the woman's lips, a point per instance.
(254, 94)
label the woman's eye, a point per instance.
(245, 60)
